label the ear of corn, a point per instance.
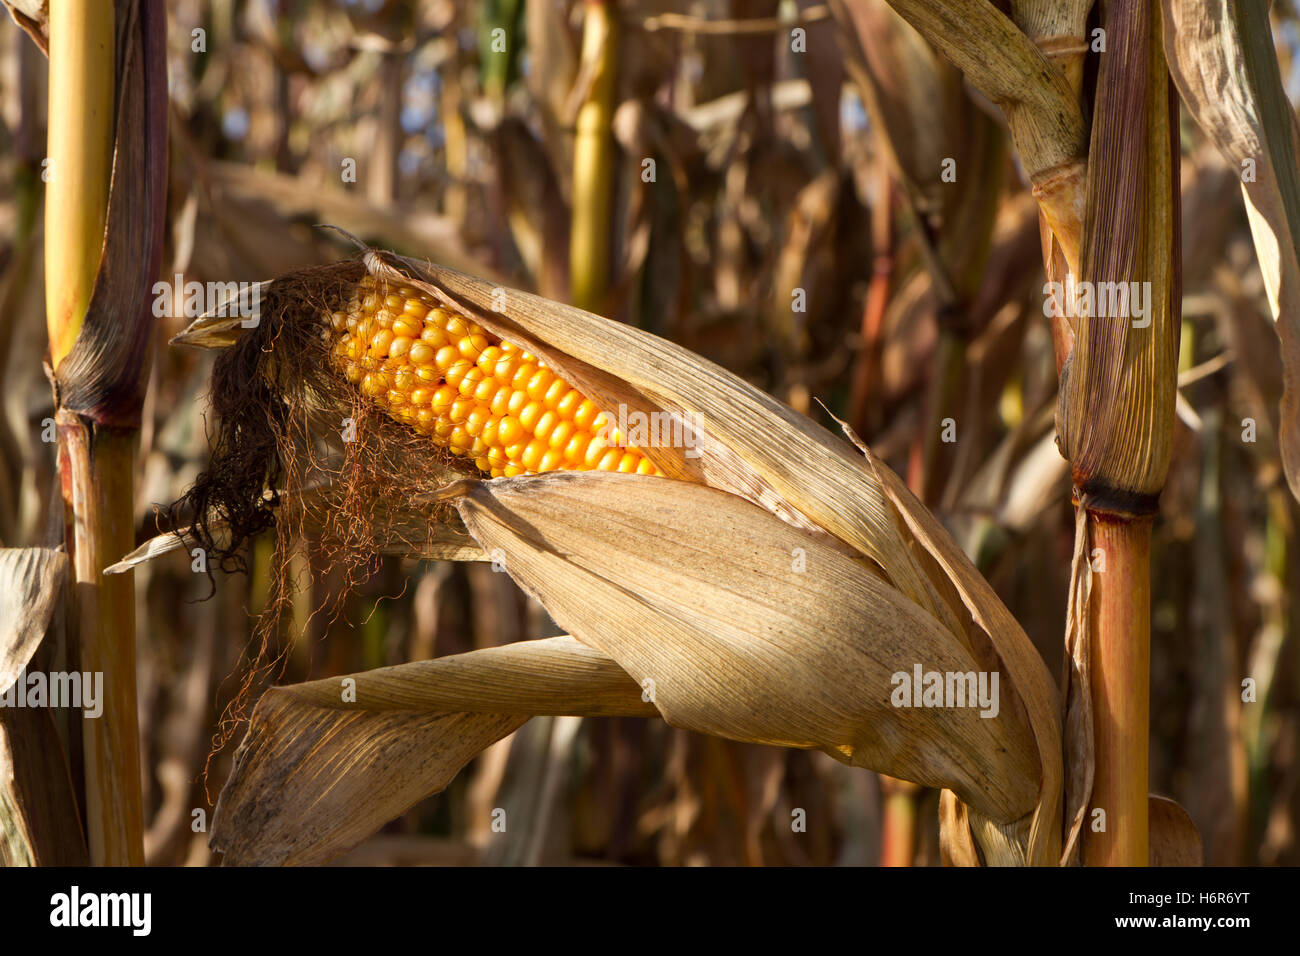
(472, 393)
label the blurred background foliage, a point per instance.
(795, 226)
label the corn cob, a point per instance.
(472, 393)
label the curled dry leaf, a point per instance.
(30, 582)
(1222, 59)
(315, 775)
(1174, 837)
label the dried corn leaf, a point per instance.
(31, 580)
(316, 774)
(956, 842)
(1222, 58)
(1174, 840)
(1042, 110)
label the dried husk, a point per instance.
(694, 594)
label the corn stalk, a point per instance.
(103, 241)
(593, 158)
(1115, 416)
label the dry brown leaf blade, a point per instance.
(1222, 59)
(956, 842)
(317, 773)
(1174, 839)
(31, 582)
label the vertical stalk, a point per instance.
(97, 469)
(899, 834)
(95, 462)
(866, 371)
(80, 153)
(1120, 623)
(593, 160)
(382, 181)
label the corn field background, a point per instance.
(806, 194)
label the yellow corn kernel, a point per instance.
(510, 430)
(472, 346)
(559, 388)
(576, 449)
(560, 435)
(569, 404)
(532, 455)
(539, 383)
(476, 419)
(420, 353)
(529, 415)
(585, 414)
(545, 425)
